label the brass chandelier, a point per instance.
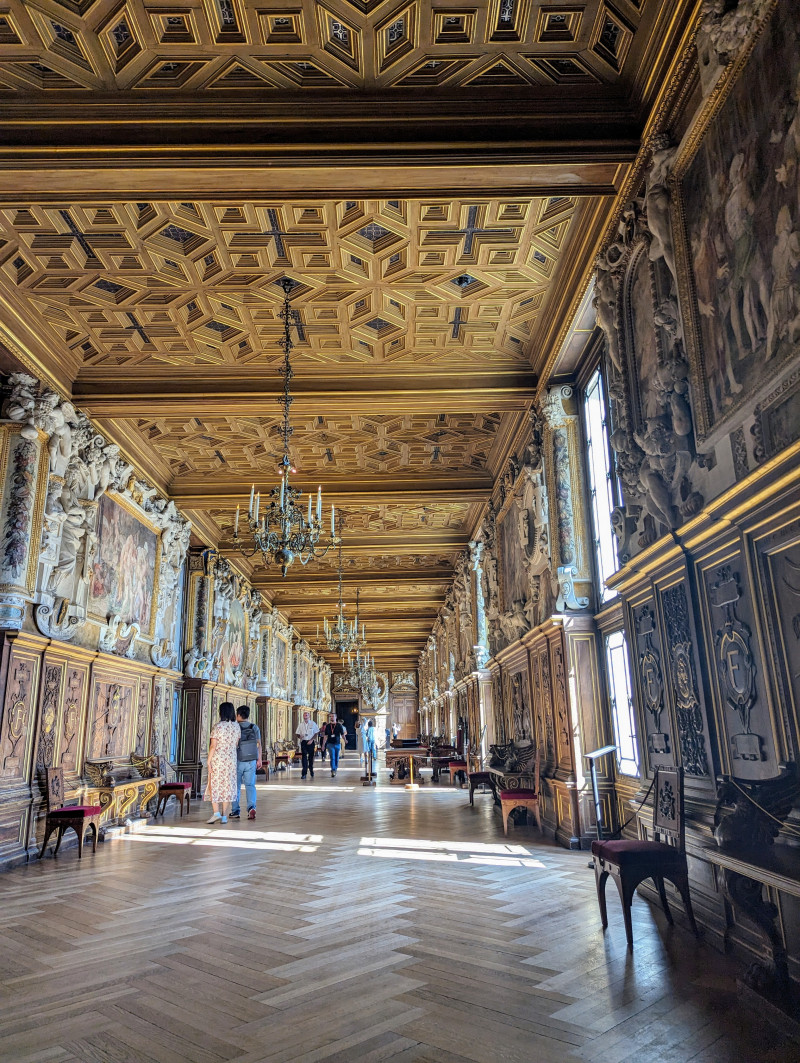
(361, 672)
(281, 532)
(341, 635)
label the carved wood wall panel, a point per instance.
(736, 666)
(143, 717)
(49, 712)
(17, 729)
(648, 668)
(684, 684)
(778, 559)
(112, 716)
(73, 722)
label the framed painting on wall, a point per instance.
(123, 576)
(737, 226)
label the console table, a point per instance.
(403, 756)
(121, 799)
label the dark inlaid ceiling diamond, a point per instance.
(176, 233)
(463, 281)
(373, 232)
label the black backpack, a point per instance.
(248, 744)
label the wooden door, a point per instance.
(404, 713)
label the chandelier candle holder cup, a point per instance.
(282, 532)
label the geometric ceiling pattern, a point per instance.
(304, 45)
(402, 283)
(331, 444)
(433, 177)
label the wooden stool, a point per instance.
(527, 799)
(179, 790)
(456, 767)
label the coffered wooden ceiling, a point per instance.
(269, 45)
(434, 177)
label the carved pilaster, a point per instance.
(569, 540)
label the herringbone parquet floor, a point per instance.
(349, 924)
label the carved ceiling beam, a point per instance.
(169, 393)
(272, 582)
(191, 494)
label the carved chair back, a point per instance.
(668, 805)
(54, 781)
(536, 765)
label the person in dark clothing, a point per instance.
(333, 733)
(307, 732)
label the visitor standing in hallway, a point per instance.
(334, 733)
(248, 761)
(307, 732)
(221, 788)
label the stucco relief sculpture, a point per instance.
(83, 467)
(725, 28)
(648, 375)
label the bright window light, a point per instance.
(622, 711)
(601, 483)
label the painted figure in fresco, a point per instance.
(748, 280)
(782, 318)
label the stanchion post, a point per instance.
(593, 757)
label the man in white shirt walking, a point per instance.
(307, 732)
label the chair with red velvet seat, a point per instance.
(181, 791)
(630, 861)
(523, 798)
(61, 817)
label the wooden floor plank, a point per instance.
(410, 931)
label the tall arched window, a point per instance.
(602, 483)
(623, 716)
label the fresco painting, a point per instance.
(741, 199)
(124, 567)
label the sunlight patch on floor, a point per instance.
(498, 855)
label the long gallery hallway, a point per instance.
(351, 924)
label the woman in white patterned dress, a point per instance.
(221, 786)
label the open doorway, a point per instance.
(348, 715)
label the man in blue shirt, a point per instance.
(248, 760)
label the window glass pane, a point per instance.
(601, 483)
(622, 714)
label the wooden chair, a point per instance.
(527, 799)
(631, 860)
(61, 817)
(477, 778)
(181, 791)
